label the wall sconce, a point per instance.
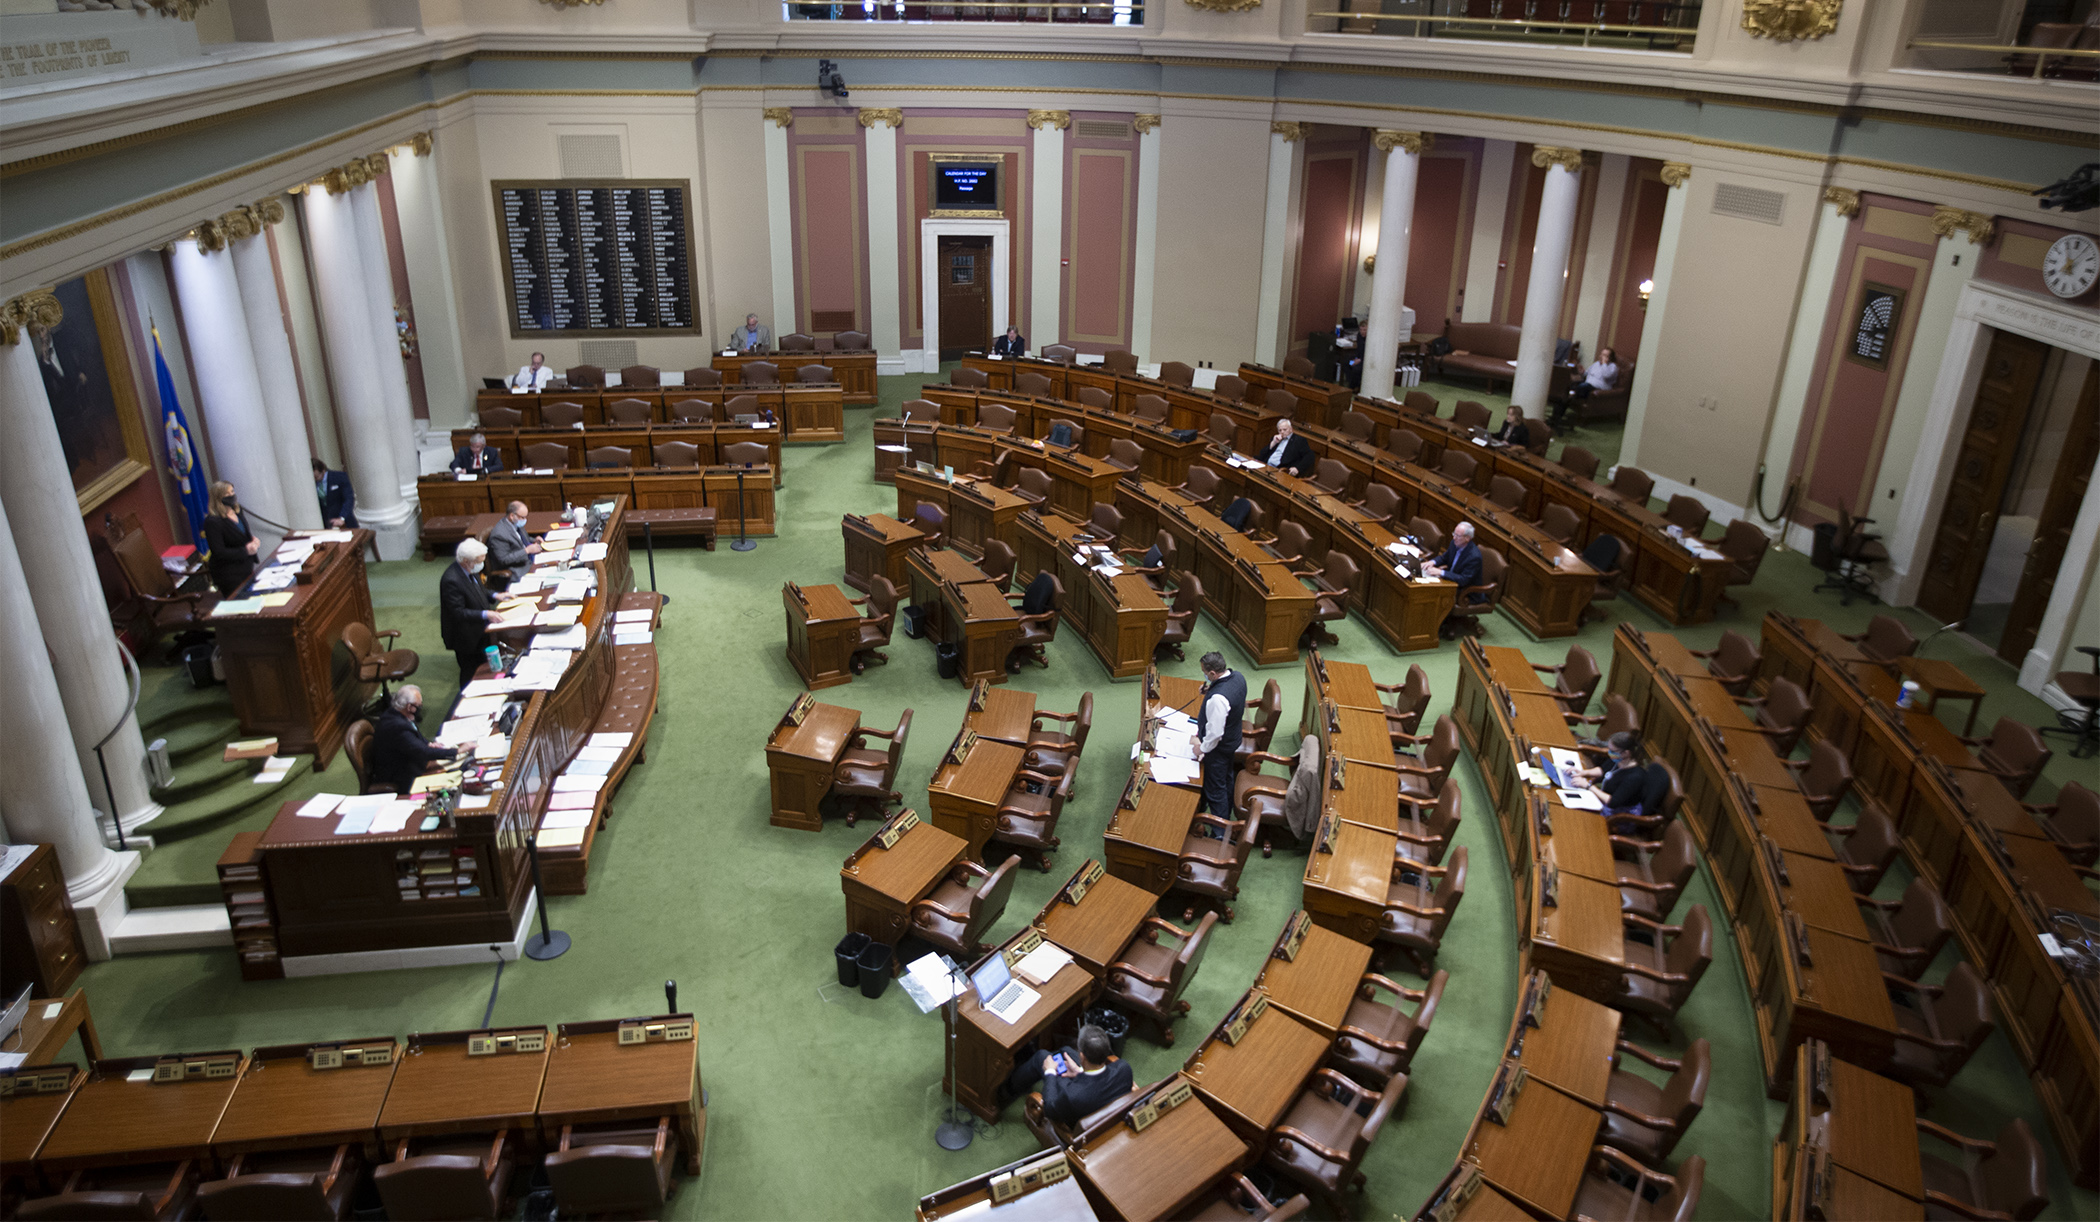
(1647, 287)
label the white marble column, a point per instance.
(216, 328)
(1498, 163)
(885, 313)
(419, 201)
(360, 403)
(37, 492)
(275, 370)
(780, 224)
(1146, 255)
(1652, 322)
(1046, 276)
(386, 341)
(1549, 277)
(1270, 310)
(1396, 220)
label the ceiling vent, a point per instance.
(1099, 129)
(1749, 203)
(591, 157)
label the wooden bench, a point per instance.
(442, 534)
(673, 523)
(630, 705)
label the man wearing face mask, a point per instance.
(510, 548)
(464, 607)
(399, 753)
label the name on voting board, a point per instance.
(587, 257)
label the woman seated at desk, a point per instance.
(1627, 786)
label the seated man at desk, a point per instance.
(1011, 344)
(1288, 450)
(510, 548)
(753, 336)
(1075, 1081)
(399, 753)
(533, 375)
(1459, 564)
(465, 608)
(475, 458)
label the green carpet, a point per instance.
(689, 882)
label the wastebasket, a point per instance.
(1823, 553)
(947, 659)
(1114, 1025)
(874, 964)
(848, 953)
(915, 622)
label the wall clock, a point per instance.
(2072, 265)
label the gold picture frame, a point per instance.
(934, 161)
(97, 417)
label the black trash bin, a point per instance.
(1823, 553)
(848, 953)
(915, 622)
(1113, 1024)
(874, 964)
(947, 659)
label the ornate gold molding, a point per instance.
(1225, 6)
(420, 144)
(268, 211)
(1947, 221)
(1674, 173)
(781, 116)
(1292, 133)
(1846, 199)
(1791, 20)
(36, 309)
(1568, 159)
(891, 115)
(564, 4)
(377, 164)
(180, 10)
(239, 223)
(1418, 143)
(210, 236)
(1145, 123)
(1040, 119)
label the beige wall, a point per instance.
(736, 229)
(1213, 160)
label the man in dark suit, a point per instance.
(1459, 563)
(464, 607)
(1075, 1081)
(338, 502)
(475, 458)
(510, 548)
(1288, 451)
(399, 753)
(1011, 344)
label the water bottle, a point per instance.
(495, 657)
(1907, 695)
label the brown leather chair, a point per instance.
(1150, 407)
(1048, 749)
(1663, 965)
(1687, 513)
(357, 741)
(815, 374)
(1826, 777)
(1096, 398)
(930, 520)
(561, 415)
(1281, 402)
(1105, 523)
(742, 409)
(975, 379)
(2081, 686)
(1651, 823)
(1560, 523)
(1633, 483)
(1506, 493)
(585, 377)
(1037, 631)
(501, 418)
(1427, 535)
(1332, 584)
(1257, 796)
(1938, 1026)
(868, 777)
(1579, 462)
(1177, 373)
(1378, 1040)
(759, 373)
(1908, 933)
(608, 457)
(1575, 679)
(997, 563)
(1155, 562)
(1616, 1188)
(1331, 475)
(615, 1167)
(1380, 503)
(1423, 402)
(1181, 616)
(142, 589)
(1420, 783)
(692, 411)
(1745, 546)
(1865, 849)
(1404, 444)
(1734, 661)
(1324, 1136)
(1410, 699)
(1654, 880)
(1053, 1134)
(1471, 415)
(677, 454)
(547, 455)
(849, 341)
(1782, 713)
(797, 341)
(996, 417)
(1229, 387)
(2073, 823)
(1476, 601)
(1201, 484)
(2014, 752)
(1885, 640)
(1119, 360)
(1646, 1120)
(703, 375)
(957, 915)
(1417, 911)
(376, 665)
(1034, 385)
(876, 623)
(1611, 573)
(1213, 854)
(1291, 543)
(921, 409)
(1618, 717)
(152, 1192)
(1063, 354)
(1033, 484)
(1458, 465)
(1125, 453)
(1428, 839)
(455, 1176)
(1148, 979)
(1027, 816)
(1259, 720)
(629, 411)
(2006, 1178)
(1222, 431)
(307, 1185)
(1356, 426)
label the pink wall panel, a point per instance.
(1640, 229)
(830, 230)
(915, 144)
(1441, 239)
(1325, 252)
(1100, 230)
(1520, 223)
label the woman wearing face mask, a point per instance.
(465, 608)
(232, 546)
(1621, 779)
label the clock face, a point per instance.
(2072, 265)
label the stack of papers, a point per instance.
(569, 782)
(356, 812)
(1040, 964)
(553, 557)
(489, 687)
(1170, 771)
(561, 838)
(237, 606)
(557, 617)
(611, 740)
(553, 819)
(930, 981)
(588, 552)
(492, 747)
(606, 755)
(562, 536)
(320, 806)
(641, 636)
(639, 615)
(396, 816)
(576, 588)
(325, 536)
(274, 769)
(462, 730)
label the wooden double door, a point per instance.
(965, 272)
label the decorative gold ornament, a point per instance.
(562, 4)
(1674, 173)
(239, 223)
(36, 309)
(180, 10)
(1417, 143)
(1568, 159)
(377, 164)
(1145, 123)
(1040, 119)
(1791, 20)
(893, 116)
(1225, 6)
(267, 212)
(209, 236)
(419, 144)
(782, 116)
(1291, 132)
(1846, 199)
(1947, 221)
(1370, 265)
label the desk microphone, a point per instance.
(670, 997)
(1951, 626)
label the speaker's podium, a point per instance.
(287, 669)
(822, 628)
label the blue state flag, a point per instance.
(182, 450)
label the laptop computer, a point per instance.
(997, 990)
(495, 383)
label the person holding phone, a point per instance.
(1074, 1082)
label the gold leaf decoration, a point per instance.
(36, 309)
(1791, 20)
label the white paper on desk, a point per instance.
(274, 770)
(475, 801)
(572, 782)
(354, 824)
(9, 1060)
(590, 551)
(1579, 799)
(639, 615)
(492, 747)
(569, 639)
(1480, 441)
(584, 767)
(479, 706)
(611, 740)
(1040, 964)
(328, 536)
(487, 687)
(563, 534)
(394, 820)
(364, 805)
(633, 638)
(463, 730)
(1567, 761)
(577, 800)
(579, 817)
(320, 806)
(238, 606)
(610, 755)
(1176, 745)
(1170, 771)
(140, 1075)
(1427, 581)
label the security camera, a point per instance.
(2080, 192)
(829, 82)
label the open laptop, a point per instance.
(495, 383)
(997, 990)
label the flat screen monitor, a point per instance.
(966, 185)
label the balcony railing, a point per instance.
(1655, 25)
(2037, 62)
(1127, 13)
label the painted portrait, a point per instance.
(88, 381)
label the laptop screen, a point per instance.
(990, 979)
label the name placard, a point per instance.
(1293, 940)
(1089, 874)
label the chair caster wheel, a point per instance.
(1266, 849)
(1188, 914)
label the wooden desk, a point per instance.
(280, 662)
(1064, 1201)
(877, 544)
(49, 1024)
(1077, 482)
(592, 1078)
(1097, 929)
(1143, 846)
(1943, 681)
(986, 628)
(1254, 1082)
(964, 798)
(1572, 1046)
(855, 371)
(882, 884)
(1580, 844)
(1162, 1171)
(1317, 986)
(1581, 941)
(1538, 1158)
(438, 1089)
(1122, 619)
(822, 629)
(985, 1044)
(930, 573)
(113, 1119)
(800, 761)
(1349, 684)
(1866, 1122)
(979, 510)
(1513, 670)
(1360, 737)
(1008, 715)
(1370, 796)
(26, 1122)
(284, 1103)
(1817, 890)
(1345, 890)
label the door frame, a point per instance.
(931, 231)
(1984, 307)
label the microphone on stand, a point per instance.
(1952, 625)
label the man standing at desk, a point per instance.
(464, 608)
(1218, 731)
(510, 548)
(338, 501)
(1075, 1081)
(399, 752)
(1460, 564)
(475, 458)
(533, 375)
(1288, 451)
(753, 336)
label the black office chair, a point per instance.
(1849, 552)
(2084, 690)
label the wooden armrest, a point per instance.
(1902, 952)
(1641, 885)
(866, 731)
(1387, 687)
(1702, 653)
(1630, 918)
(1927, 1041)
(1043, 715)
(1120, 968)
(1953, 1138)
(1627, 1164)
(1578, 719)
(1638, 1117)
(1154, 926)
(388, 633)
(1912, 986)
(1660, 1062)
(1376, 1041)
(1642, 969)
(2033, 809)
(1884, 905)
(1646, 846)
(943, 909)
(1268, 758)
(1285, 1132)
(1956, 1206)
(1390, 985)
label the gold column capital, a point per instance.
(37, 309)
(892, 116)
(1791, 20)
(377, 164)
(419, 143)
(1948, 220)
(239, 223)
(1547, 155)
(1674, 173)
(1145, 123)
(210, 236)
(1846, 199)
(1385, 141)
(1058, 119)
(781, 116)
(1291, 132)
(267, 212)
